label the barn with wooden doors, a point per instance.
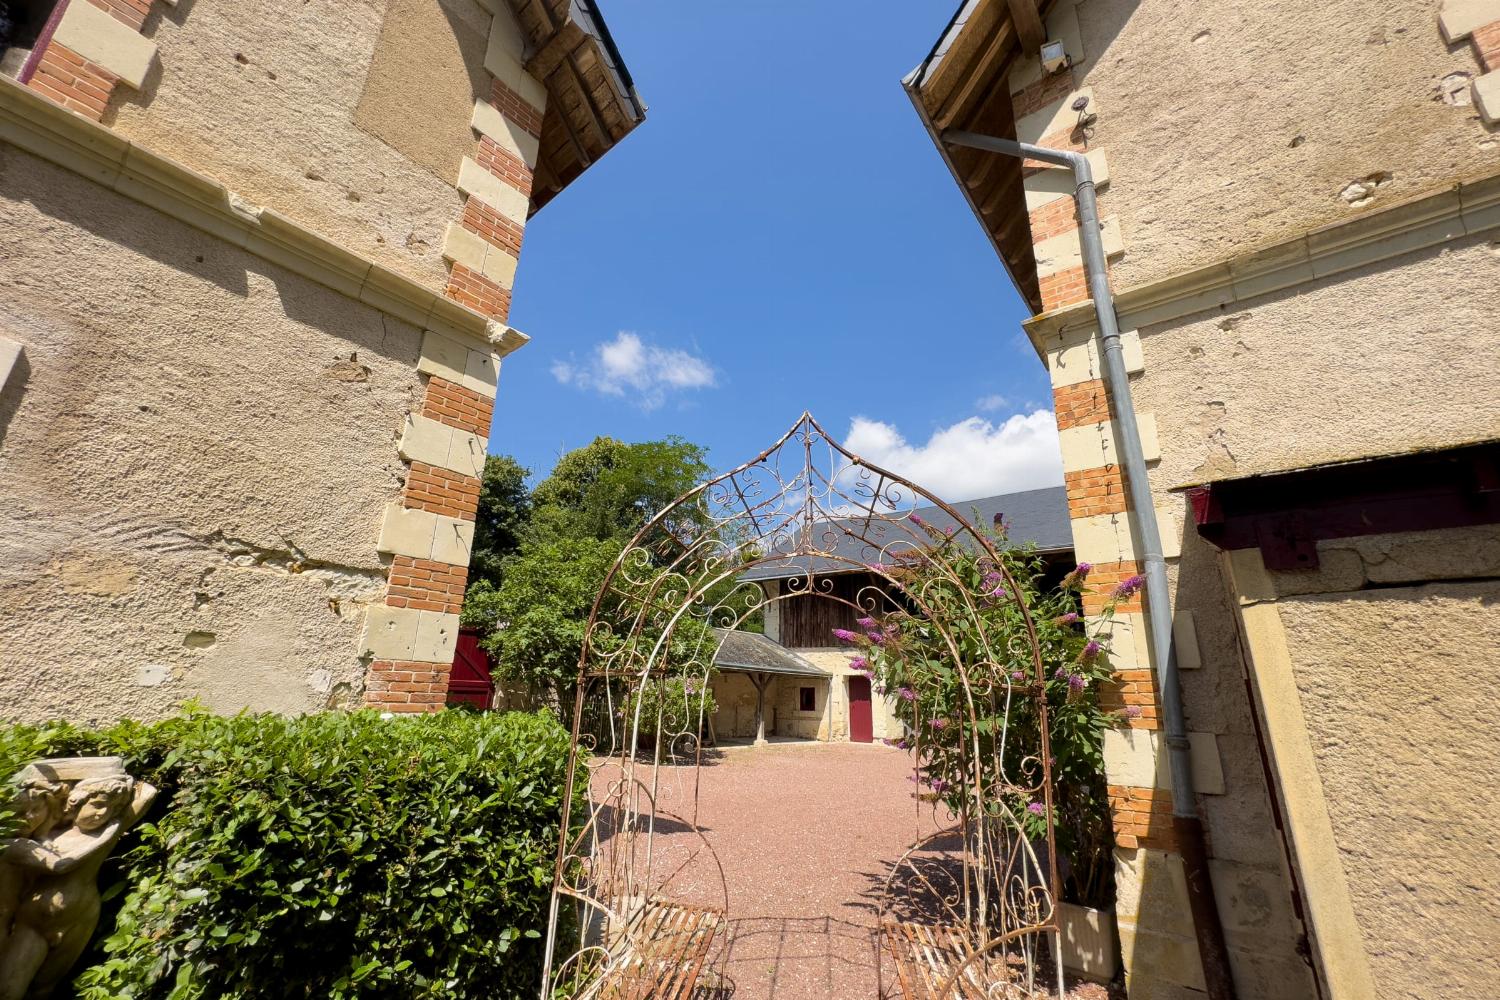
(834, 702)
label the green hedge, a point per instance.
(335, 855)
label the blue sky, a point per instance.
(779, 234)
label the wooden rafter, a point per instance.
(1028, 21)
(984, 80)
(587, 98)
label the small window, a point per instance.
(808, 699)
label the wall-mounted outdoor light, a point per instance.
(1054, 56)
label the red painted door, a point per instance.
(469, 682)
(861, 722)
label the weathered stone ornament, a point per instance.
(73, 810)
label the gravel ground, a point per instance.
(806, 837)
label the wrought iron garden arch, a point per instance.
(614, 929)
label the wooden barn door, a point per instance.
(861, 718)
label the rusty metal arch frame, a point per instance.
(703, 542)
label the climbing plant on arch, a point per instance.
(620, 924)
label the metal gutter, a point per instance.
(1185, 822)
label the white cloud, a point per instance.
(991, 403)
(629, 367)
(971, 459)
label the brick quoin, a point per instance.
(131, 12)
(1065, 288)
(457, 406)
(1056, 217)
(504, 164)
(470, 288)
(1128, 689)
(1071, 138)
(1080, 403)
(1036, 96)
(426, 585)
(1095, 491)
(441, 491)
(1487, 45)
(515, 109)
(406, 685)
(481, 219)
(1142, 817)
(73, 81)
(1102, 580)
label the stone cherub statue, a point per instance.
(73, 812)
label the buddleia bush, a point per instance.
(335, 855)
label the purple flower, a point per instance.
(999, 520)
(876, 637)
(1067, 619)
(1016, 675)
(859, 663)
(916, 520)
(938, 785)
(992, 578)
(876, 567)
(1036, 809)
(1082, 569)
(998, 592)
(902, 745)
(1129, 586)
(865, 623)
(1091, 649)
(907, 694)
(844, 635)
(1076, 682)
(1061, 673)
(938, 723)
(948, 531)
(1132, 711)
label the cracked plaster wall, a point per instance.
(1229, 125)
(195, 458)
(1402, 713)
(1388, 358)
(1392, 357)
(310, 109)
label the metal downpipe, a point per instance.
(1189, 829)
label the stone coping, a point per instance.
(33, 123)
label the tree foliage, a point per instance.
(609, 489)
(579, 520)
(504, 513)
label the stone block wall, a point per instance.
(215, 87)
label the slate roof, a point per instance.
(1036, 516)
(752, 651)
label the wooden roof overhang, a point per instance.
(961, 85)
(591, 100)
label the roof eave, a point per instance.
(972, 71)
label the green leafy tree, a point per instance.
(504, 513)
(581, 517)
(537, 616)
(609, 489)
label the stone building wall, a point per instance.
(276, 295)
(1366, 669)
(1299, 211)
(1236, 125)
